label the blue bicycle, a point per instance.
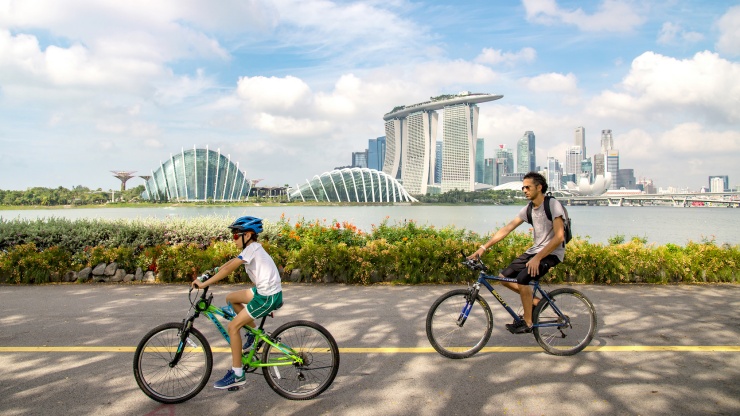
(460, 322)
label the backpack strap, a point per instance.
(547, 207)
(529, 212)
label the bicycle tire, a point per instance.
(320, 356)
(570, 339)
(176, 384)
(450, 339)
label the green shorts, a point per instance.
(260, 305)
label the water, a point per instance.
(660, 225)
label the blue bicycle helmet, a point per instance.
(244, 224)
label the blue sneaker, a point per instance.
(248, 342)
(231, 380)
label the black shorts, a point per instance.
(518, 268)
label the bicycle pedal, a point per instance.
(235, 388)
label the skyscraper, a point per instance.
(606, 141)
(507, 157)
(359, 159)
(479, 149)
(411, 132)
(573, 158)
(554, 174)
(580, 139)
(525, 157)
(714, 185)
(376, 153)
(612, 166)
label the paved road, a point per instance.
(106, 321)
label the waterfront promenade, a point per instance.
(68, 349)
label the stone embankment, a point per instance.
(108, 272)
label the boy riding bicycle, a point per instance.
(249, 304)
(548, 249)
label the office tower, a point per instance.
(587, 170)
(359, 159)
(479, 149)
(606, 141)
(599, 164)
(554, 174)
(489, 171)
(612, 166)
(627, 179)
(507, 158)
(411, 131)
(438, 164)
(573, 158)
(525, 158)
(376, 153)
(719, 182)
(580, 139)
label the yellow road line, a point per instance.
(420, 350)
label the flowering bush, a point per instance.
(179, 249)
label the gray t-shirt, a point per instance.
(543, 231)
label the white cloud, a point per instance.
(611, 16)
(672, 33)
(663, 88)
(729, 27)
(693, 138)
(273, 93)
(491, 56)
(552, 82)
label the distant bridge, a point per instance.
(701, 200)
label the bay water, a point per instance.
(658, 225)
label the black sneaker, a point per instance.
(516, 325)
(522, 329)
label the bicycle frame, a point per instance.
(204, 306)
(483, 279)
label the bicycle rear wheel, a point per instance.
(319, 352)
(172, 384)
(571, 335)
(453, 338)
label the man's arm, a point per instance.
(533, 265)
(498, 236)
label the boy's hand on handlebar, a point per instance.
(196, 284)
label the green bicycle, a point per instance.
(173, 361)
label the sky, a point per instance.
(290, 88)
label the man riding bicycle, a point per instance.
(547, 251)
(249, 304)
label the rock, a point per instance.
(84, 274)
(328, 278)
(149, 276)
(118, 276)
(129, 277)
(99, 270)
(138, 275)
(295, 275)
(111, 269)
(70, 276)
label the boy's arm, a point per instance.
(225, 270)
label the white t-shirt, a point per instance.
(543, 231)
(261, 269)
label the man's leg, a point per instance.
(525, 292)
(533, 301)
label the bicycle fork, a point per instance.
(470, 297)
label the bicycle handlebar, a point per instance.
(474, 264)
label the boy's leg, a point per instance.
(238, 299)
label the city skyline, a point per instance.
(290, 88)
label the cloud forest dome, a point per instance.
(361, 185)
(197, 175)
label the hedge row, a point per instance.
(178, 250)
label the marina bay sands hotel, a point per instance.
(411, 137)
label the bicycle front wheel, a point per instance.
(317, 349)
(447, 332)
(171, 383)
(572, 329)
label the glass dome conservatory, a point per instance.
(352, 185)
(197, 175)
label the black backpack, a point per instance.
(566, 220)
